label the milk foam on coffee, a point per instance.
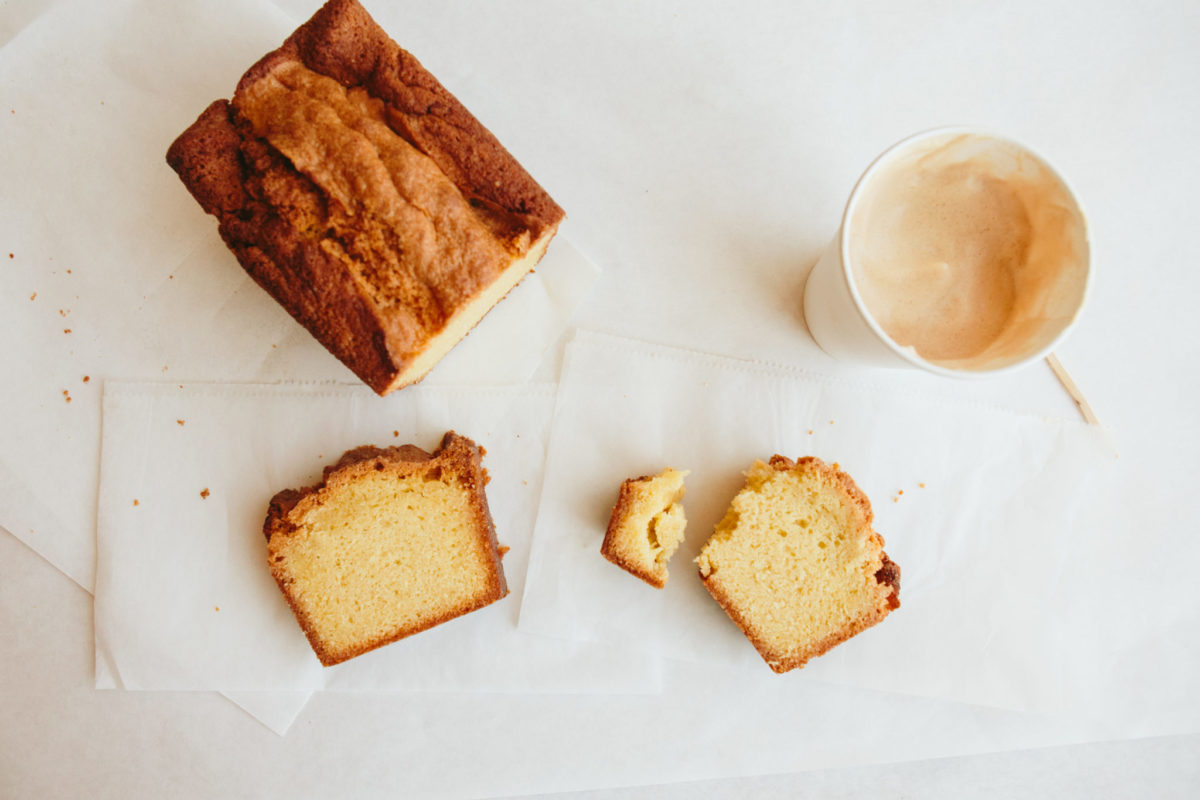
(968, 250)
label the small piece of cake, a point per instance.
(647, 525)
(391, 542)
(795, 562)
(364, 197)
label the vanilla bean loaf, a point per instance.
(364, 197)
(647, 525)
(393, 541)
(795, 562)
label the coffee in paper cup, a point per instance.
(959, 252)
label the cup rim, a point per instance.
(847, 274)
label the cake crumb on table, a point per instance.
(179, 422)
(135, 502)
(204, 493)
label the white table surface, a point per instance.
(703, 152)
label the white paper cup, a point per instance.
(845, 328)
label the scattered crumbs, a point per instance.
(502, 550)
(33, 296)
(274, 346)
(204, 493)
(87, 378)
(68, 271)
(170, 277)
(10, 255)
(921, 485)
(179, 422)
(135, 502)
(216, 608)
(396, 434)
(810, 431)
(63, 312)
(895, 499)
(901, 491)
(320, 455)
(524, 483)
(66, 330)
(830, 422)
(164, 367)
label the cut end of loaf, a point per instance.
(796, 564)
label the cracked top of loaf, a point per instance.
(364, 197)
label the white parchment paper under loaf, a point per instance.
(116, 272)
(184, 599)
(976, 505)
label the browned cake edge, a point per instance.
(888, 575)
(342, 41)
(456, 454)
(622, 509)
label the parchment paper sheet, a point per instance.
(977, 505)
(116, 272)
(183, 597)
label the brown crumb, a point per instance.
(921, 485)
(216, 608)
(87, 378)
(68, 272)
(63, 312)
(830, 422)
(164, 368)
(901, 491)
(895, 499)
(170, 277)
(810, 431)
(204, 493)
(33, 296)
(179, 422)
(135, 502)
(10, 255)
(66, 330)
(396, 433)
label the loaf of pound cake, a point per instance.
(390, 543)
(647, 525)
(364, 197)
(795, 562)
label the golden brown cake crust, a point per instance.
(301, 241)
(456, 455)
(887, 575)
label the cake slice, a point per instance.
(647, 525)
(795, 562)
(391, 542)
(364, 197)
